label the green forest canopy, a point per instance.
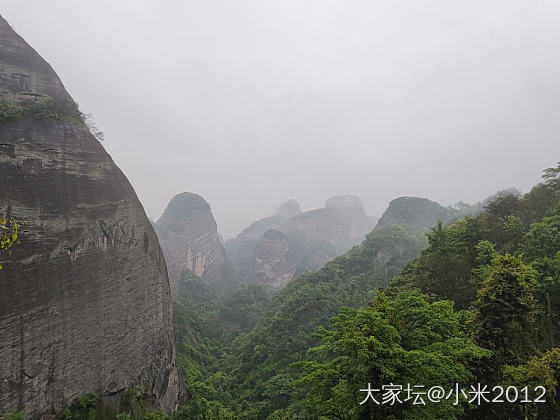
(479, 304)
(475, 301)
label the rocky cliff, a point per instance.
(241, 249)
(400, 233)
(309, 240)
(85, 301)
(189, 237)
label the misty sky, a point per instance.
(251, 103)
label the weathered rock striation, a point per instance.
(189, 238)
(85, 302)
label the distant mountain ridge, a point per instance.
(284, 332)
(415, 214)
(276, 249)
(290, 246)
(241, 248)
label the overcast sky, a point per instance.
(251, 103)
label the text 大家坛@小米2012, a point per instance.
(478, 394)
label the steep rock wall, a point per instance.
(189, 237)
(84, 300)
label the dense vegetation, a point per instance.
(44, 109)
(476, 301)
(480, 304)
(236, 353)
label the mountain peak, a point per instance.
(288, 209)
(346, 203)
(415, 214)
(183, 204)
(189, 238)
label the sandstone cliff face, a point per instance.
(189, 237)
(84, 301)
(309, 240)
(241, 249)
(274, 263)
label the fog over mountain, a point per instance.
(252, 103)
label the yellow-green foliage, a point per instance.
(9, 234)
(538, 371)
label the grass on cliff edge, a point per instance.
(47, 109)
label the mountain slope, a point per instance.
(257, 364)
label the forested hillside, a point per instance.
(479, 305)
(469, 304)
(145, 273)
(243, 346)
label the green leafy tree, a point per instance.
(401, 340)
(444, 269)
(539, 371)
(542, 239)
(503, 321)
(485, 253)
(84, 407)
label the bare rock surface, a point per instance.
(85, 302)
(189, 237)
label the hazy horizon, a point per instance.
(252, 103)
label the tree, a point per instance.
(444, 269)
(542, 371)
(503, 310)
(542, 239)
(551, 178)
(402, 340)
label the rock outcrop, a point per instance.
(399, 236)
(189, 238)
(309, 240)
(85, 302)
(275, 262)
(416, 214)
(241, 249)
